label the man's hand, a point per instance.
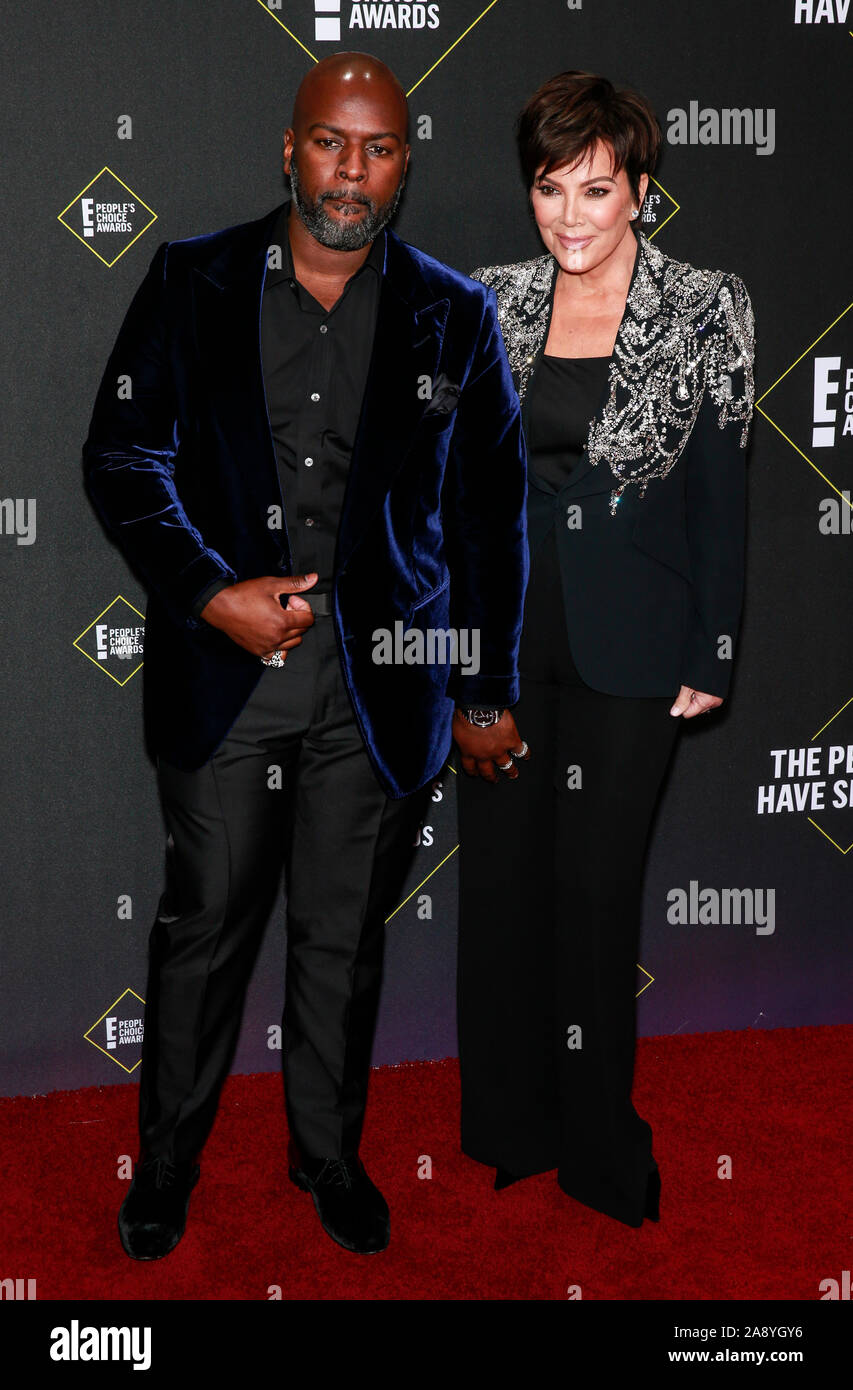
(689, 702)
(252, 616)
(485, 751)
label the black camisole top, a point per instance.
(564, 396)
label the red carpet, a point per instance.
(778, 1102)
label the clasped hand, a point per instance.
(251, 614)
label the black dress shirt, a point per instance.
(315, 363)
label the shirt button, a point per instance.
(323, 328)
(315, 395)
(308, 462)
(309, 521)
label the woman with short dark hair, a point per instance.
(635, 372)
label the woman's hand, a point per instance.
(689, 702)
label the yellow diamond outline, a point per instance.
(676, 207)
(129, 1070)
(99, 664)
(769, 418)
(421, 884)
(452, 769)
(106, 170)
(826, 836)
(421, 79)
(651, 980)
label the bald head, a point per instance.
(346, 77)
(347, 151)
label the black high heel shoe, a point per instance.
(652, 1208)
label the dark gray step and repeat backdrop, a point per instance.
(130, 124)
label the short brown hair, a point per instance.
(570, 113)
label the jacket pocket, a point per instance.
(436, 421)
(427, 598)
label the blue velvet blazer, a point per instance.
(432, 532)
(650, 525)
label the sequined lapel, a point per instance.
(643, 293)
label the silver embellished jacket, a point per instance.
(664, 462)
(684, 332)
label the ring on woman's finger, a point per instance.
(522, 752)
(505, 767)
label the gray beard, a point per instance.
(338, 234)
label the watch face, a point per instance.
(483, 718)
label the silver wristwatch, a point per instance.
(483, 718)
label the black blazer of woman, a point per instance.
(650, 525)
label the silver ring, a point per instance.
(505, 767)
(276, 659)
(522, 753)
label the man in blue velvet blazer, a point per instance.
(282, 728)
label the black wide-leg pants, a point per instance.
(551, 873)
(290, 787)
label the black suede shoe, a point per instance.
(351, 1209)
(154, 1212)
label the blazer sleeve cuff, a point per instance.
(207, 594)
(702, 669)
(193, 583)
(483, 692)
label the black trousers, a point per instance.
(290, 786)
(551, 872)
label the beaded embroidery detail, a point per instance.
(684, 332)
